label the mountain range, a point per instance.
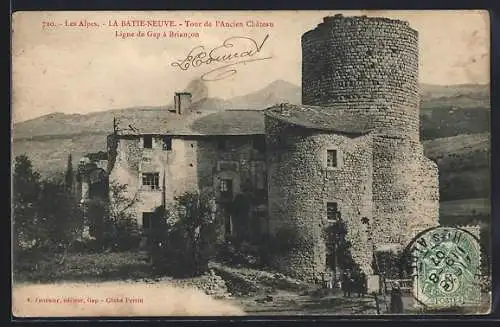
(455, 125)
(459, 98)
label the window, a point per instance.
(148, 142)
(332, 211)
(226, 188)
(147, 219)
(259, 143)
(331, 159)
(167, 143)
(151, 181)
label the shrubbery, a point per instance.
(50, 222)
(184, 237)
(392, 265)
(240, 253)
(48, 218)
(46, 214)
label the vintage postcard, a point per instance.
(209, 163)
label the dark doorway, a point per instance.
(226, 212)
(147, 220)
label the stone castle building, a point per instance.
(92, 176)
(353, 146)
(351, 151)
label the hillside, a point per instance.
(49, 153)
(464, 165)
(462, 95)
(59, 124)
(446, 111)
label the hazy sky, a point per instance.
(83, 70)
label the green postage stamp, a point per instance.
(446, 265)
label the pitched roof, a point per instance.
(227, 122)
(333, 118)
(337, 118)
(148, 122)
(230, 122)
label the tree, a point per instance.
(121, 202)
(26, 180)
(97, 213)
(69, 174)
(26, 190)
(63, 218)
(240, 209)
(339, 247)
(197, 225)
(186, 239)
(121, 231)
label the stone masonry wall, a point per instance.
(405, 190)
(130, 162)
(300, 185)
(193, 164)
(370, 64)
(240, 162)
(427, 214)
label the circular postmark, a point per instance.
(446, 264)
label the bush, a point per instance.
(121, 235)
(285, 240)
(112, 221)
(235, 252)
(392, 265)
(97, 213)
(47, 217)
(185, 236)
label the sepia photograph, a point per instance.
(250, 163)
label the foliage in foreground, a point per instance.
(184, 237)
(48, 220)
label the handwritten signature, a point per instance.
(234, 51)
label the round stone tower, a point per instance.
(371, 65)
(360, 111)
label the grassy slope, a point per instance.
(464, 178)
(464, 165)
(49, 153)
(84, 267)
(467, 207)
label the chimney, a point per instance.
(182, 102)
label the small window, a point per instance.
(331, 159)
(332, 211)
(151, 181)
(148, 142)
(226, 188)
(167, 143)
(147, 219)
